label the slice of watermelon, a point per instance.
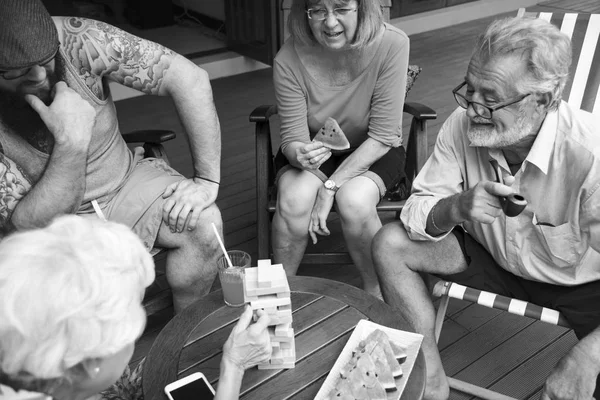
(380, 336)
(332, 136)
(377, 392)
(399, 352)
(342, 391)
(382, 369)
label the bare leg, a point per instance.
(398, 262)
(356, 202)
(295, 199)
(191, 258)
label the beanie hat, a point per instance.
(28, 36)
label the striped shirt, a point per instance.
(556, 239)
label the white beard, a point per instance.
(488, 136)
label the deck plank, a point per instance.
(444, 55)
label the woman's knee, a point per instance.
(357, 202)
(295, 197)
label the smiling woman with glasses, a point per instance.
(481, 109)
(320, 14)
(341, 63)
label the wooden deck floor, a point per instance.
(486, 347)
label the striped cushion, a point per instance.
(581, 90)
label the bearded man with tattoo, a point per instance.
(61, 148)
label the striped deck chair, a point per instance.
(581, 91)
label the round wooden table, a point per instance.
(325, 313)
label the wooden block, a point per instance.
(287, 337)
(270, 300)
(268, 275)
(288, 355)
(277, 366)
(250, 299)
(278, 320)
(279, 286)
(277, 356)
(250, 278)
(287, 333)
(284, 345)
(282, 329)
(265, 274)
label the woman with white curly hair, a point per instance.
(71, 305)
(71, 309)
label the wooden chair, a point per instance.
(266, 191)
(581, 92)
(158, 296)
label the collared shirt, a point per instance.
(556, 239)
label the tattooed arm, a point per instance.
(101, 51)
(14, 185)
(98, 49)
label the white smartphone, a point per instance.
(192, 387)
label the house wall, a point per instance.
(211, 8)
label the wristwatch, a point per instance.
(330, 185)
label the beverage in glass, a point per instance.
(232, 278)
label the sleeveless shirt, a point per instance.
(109, 160)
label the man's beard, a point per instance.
(488, 136)
(18, 116)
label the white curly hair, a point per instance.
(69, 292)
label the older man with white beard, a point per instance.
(453, 224)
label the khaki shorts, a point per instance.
(138, 204)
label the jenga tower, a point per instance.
(266, 287)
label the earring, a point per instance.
(97, 370)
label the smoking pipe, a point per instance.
(512, 205)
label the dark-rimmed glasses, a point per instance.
(321, 14)
(481, 109)
(17, 73)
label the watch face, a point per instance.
(329, 184)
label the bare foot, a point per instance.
(436, 387)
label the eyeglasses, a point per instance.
(481, 109)
(17, 73)
(320, 14)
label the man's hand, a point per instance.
(482, 202)
(319, 214)
(186, 199)
(69, 117)
(248, 344)
(573, 378)
(312, 155)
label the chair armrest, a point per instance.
(263, 113)
(419, 111)
(148, 136)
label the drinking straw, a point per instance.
(98, 210)
(222, 245)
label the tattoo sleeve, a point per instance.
(97, 50)
(14, 185)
